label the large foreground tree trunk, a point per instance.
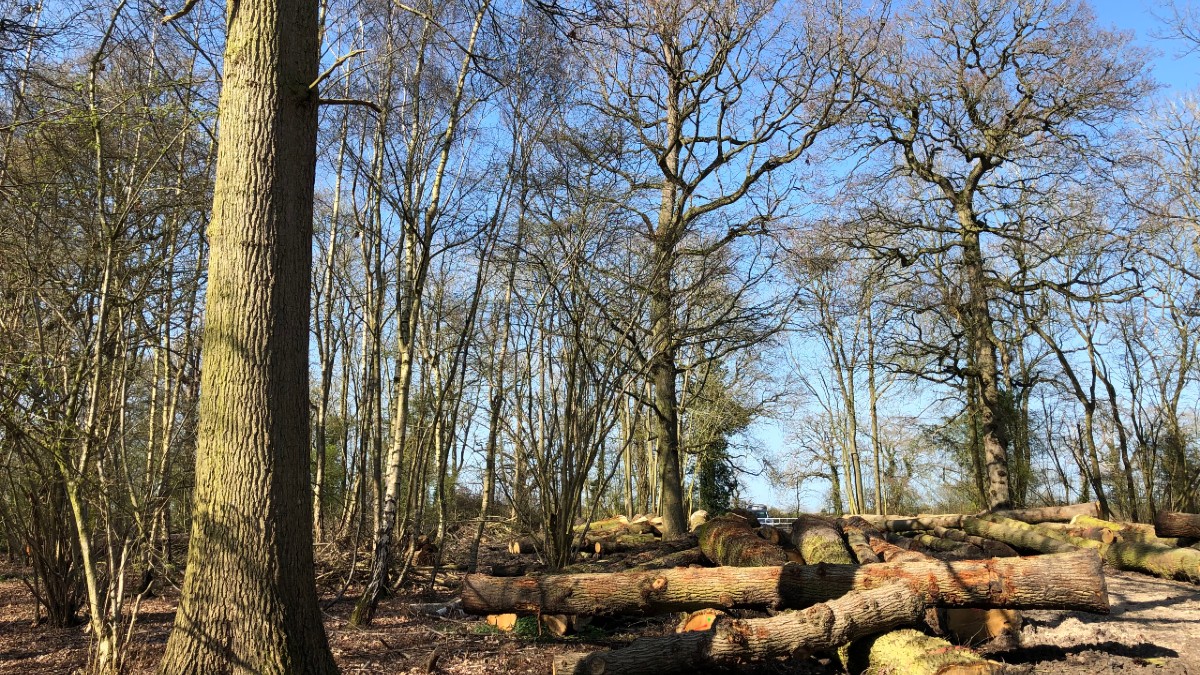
(249, 601)
(1065, 581)
(731, 642)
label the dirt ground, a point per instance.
(1154, 627)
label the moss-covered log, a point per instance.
(1174, 524)
(1141, 533)
(1066, 581)
(733, 642)
(1162, 561)
(731, 541)
(819, 541)
(1015, 533)
(959, 549)
(1047, 514)
(993, 548)
(924, 521)
(877, 542)
(911, 652)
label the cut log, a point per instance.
(857, 542)
(607, 524)
(772, 534)
(993, 548)
(879, 545)
(508, 569)
(1045, 514)
(958, 549)
(1069, 581)
(923, 521)
(697, 519)
(621, 543)
(1004, 530)
(1167, 562)
(734, 641)
(562, 625)
(911, 652)
(1174, 524)
(1141, 533)
(819, 541)
(522, 546)
(691, 556)
(730, 540)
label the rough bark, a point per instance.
(858, 544)
(1065, 581)
(732, 642)
(729, 540)
(1141, 533)
(923, 521)
(1173, 524)
(249, 602)
(993, 548)
(911, 652)
(960, 549)
(819, 541)
(1015, 536)
(1047, 514)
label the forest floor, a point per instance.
(1154, 627)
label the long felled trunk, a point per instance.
(1063, 581)
(249, 601)
(732, 642)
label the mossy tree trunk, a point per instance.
(249, 601)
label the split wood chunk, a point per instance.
(734, 641)
(730, 540)
(819, 541)
(700, 620)
(1045, 514)
(1174, 524)
(973, 627)
(1070, 581)
(911, 652)
(504, 622)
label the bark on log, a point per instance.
(1005, 531)
(858, 544)
(819, 541)
(923, 521)
(1046, 514)
(732, 641)
(607, 524)
(621, 543)
(879, 545)
(772, 534)
(1167, 562)
(993, 548)
(1174, 524)
(730, 540)
(1070, 581)
(685, 558)
(1141, 533)
(911, 652)
(960, 549)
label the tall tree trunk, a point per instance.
(982, 340)
(249, 602)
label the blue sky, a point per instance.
(1178, 74)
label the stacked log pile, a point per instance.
(878, 593)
